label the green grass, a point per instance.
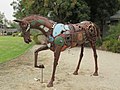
(12, 47)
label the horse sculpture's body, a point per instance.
(61, 36)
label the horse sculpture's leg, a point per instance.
(95, 57)
(44, 47)
(56, 58)
(81, 55)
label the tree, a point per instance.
(62, 10)
(69, 11)
(59, 10)
(13, 25)
(21, 8)
(2, 16)
(101, 10)
(3, 20)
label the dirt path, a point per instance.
(19, 74)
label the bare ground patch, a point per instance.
(19, 74)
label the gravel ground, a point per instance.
(19, 74)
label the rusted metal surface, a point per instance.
(70, 36)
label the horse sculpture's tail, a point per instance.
(98, 31)
(94, 30)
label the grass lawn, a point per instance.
(12, 47)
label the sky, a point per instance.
(7, 9)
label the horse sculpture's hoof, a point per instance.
(95, 74)
(75, 73)
(40, 66)
(50, 84)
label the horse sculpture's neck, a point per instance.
(39, 22)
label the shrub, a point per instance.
(98, 43)
(112, 45)
(111, 42)
(39, 39)
(34, 32)
(9, 33)
(35, 38)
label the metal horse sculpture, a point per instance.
(61, 36)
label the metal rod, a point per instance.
(41, 75)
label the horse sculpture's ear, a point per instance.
(18, 21)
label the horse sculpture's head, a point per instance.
(25, 28)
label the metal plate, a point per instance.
(59, 28)
(59, 41)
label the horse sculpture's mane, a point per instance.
(37, 17)
(34, 17)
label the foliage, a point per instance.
(9, 33)
(21, 8)
(39, 39)
(101, 10)
(2, 16)
(35, 38)
(58, 10)
(111, 42)
(114, 32)
(68, 10)
(112, 45)
(99, 42)
(12, 47)
(34, 32)
(13, 25)
(3, 20)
